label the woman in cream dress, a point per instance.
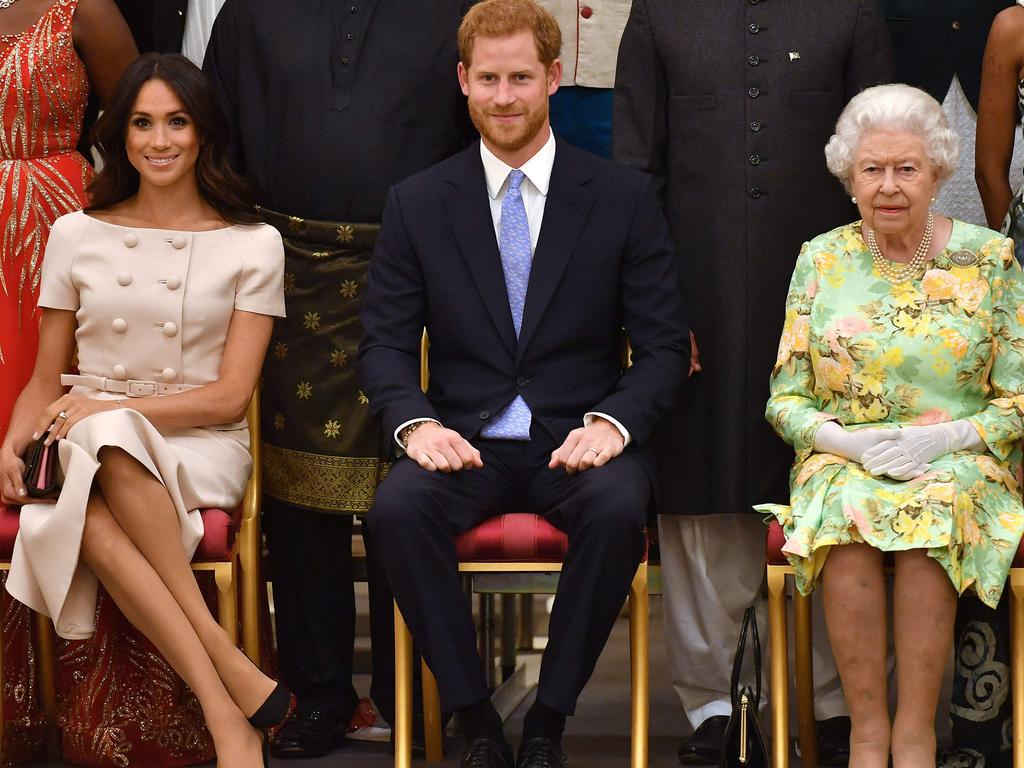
(170, 295)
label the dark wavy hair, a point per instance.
(219, 184)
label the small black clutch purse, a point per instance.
(745, 745)
(40, 474)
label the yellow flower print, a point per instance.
(940, 492)
(971, 295)
(311, 321)
(954, 342)
(905, 296)
(913, 524)
(824, 261)
(941, 366)
(871, 412)
(893, 357)
(938, 284)
(339, 358)
(304, 390)
(332, 428)
(1020, 314)
(833, 374)
(349, 288)
(865, 385)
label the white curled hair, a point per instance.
(895, 107)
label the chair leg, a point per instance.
(639, 625)
(1016, 665)
(432, 731)
(47, 656)
(806, 729)
(248, 563)
(779, 665)
(403, 693)
(3, 600)
(227, 599)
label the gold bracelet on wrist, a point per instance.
(407, 433)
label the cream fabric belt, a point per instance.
(129, 387)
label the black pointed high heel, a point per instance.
(273, 713)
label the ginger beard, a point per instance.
(510, 136)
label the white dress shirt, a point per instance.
(534, 190)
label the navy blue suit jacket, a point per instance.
(604, 261)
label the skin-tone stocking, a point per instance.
(924, 607)
(144, 599)
(143, 510)
(855, 606)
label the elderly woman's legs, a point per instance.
(145, 600)
(924, 608)
(143, 510)
(855, 608)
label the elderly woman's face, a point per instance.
(893, 181)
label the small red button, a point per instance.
(586, 11)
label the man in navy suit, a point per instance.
(524, 258)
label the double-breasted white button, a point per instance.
(124, 278)
(179, 242)
(173, 282)
(169, 374)
(120, 371)
(120, 325)
(131, 240)
(170, 329)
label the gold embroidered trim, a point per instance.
(329, 483)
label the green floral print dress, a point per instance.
(866, 353)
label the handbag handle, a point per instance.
(749, 625)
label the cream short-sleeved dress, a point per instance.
(152, 305)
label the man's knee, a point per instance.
(399, 503)
(615, 499)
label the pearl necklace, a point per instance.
(893, 271)
(7, 3)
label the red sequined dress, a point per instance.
(43, 89)
(119, 702)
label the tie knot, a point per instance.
(515, 180)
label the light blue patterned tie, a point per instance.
(513, 423)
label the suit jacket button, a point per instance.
(124, 278)
(120, 325)
(131, 240)
(178, 242)
(484, 415)
(755, 193)
(120, 372)
(170, 329)
(173, 283)
(522, 381)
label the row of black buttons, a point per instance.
(522, 381)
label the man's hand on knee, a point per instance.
(586, 447)
(438, 449)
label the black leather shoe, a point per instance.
(308, 734)
(487, 753)
(834, 741)
(704, 747)
(541, 753)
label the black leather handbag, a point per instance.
(40, 473)
(744, 745)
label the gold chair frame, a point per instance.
(639, 656)
(779, 670)
(242, 569)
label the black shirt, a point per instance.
(332, 102)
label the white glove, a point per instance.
(831, 437)
(918, 446)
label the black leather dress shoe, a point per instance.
(834, 741)
(308, 734)
(541, 753)
(704, 747)
(487, 753)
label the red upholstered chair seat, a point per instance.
(520, 537)
(9, 517)
(218, 537)
(776, 540)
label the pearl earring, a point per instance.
(853, 199)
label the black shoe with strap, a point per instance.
(487, 753)
(541, 753)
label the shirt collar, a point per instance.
(537, 169)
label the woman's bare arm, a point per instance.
(105, 43)
(997, 113)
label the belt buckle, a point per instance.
(137, 388)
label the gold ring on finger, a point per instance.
(591, 450)
(63, 415)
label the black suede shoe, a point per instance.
(487, 753)
(541, 753)
(308, 734)
(704, 747)
(834, 741)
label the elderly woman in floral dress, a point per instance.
(899, 384)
